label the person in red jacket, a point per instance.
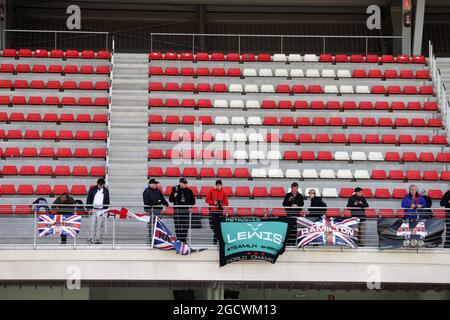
(217, 199)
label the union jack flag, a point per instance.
(59, 224)
(163, 239)
(327, 231)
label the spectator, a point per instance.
(97, 199)
(316, 203)
(294, 202)
(182, 198)
(64, 204)
(445, 202)
(357, 202)
(426, 212)
(413, 201)
(153, 203)
(217, 199)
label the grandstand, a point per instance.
(332, 113)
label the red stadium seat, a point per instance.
(224, 173)
(43, 189)
(378, 175)
(78, 190)
(242, 192)
(260, 192)
(241, 173)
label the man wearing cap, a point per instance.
(294, 201)
(217, 198)
(97, 199)
(64, 204)
(357, 202)
(153, 203)
(182, 197)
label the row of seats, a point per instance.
(43, 189)
(31, 152)
(53, 117)
(297, 104)
(53, 68)
(204, 172)
(352, 138)
(288, 89)
(53, 135)
(292, 155)
(26, 170)
(265, 57)
(303, 121)
(54, 101)
(285, 73)
(258, 212)
(54, 84)
(56, 53)
(306, 155)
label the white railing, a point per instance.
(111, 75)
(281, 38)
(79, 34)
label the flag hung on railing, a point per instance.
(123, 213)
(163, 239)
(327, 231)
(59, 224)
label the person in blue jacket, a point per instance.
(412, 203)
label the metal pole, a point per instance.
(367, 45)
(193, 43)
(151, 42)
(324, 45)
(239, 45)
(153, 229)
(190, 229)
(56, 46)
(35, 231)
(114, 233)
(281, 44)
(107, 41)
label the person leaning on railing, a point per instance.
(217, 199)
(183, 197)
(64, 204)
(357, 203)
(445, 202)
(412, 202)
(316, 204)
(154, 202)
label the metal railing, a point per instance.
(77, 34)
(281, 39)
(189, 224)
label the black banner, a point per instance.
(251, 238)
(410, 233)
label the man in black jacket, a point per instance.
(294, 202)
(357, 202)
(445, 202)
(183, 197)
(316, 204)
(97, 199)
(153, 203)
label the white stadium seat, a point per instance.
(236, 88)
(254, 121)
(274, 155)
(267, 88)
(310, 174)
(296, 73)
(221, 120)
(362, 89)
(257, 155)
(312, 73)
(327, 174)
(240, 155)
(237, 104)
(344, 174)
(222, 136)
(281, 73)
(329, 193)
(279, 57)
(310, 58)
(346, 89)
(255, 137)
(361, 174)
(238, 121)
(265, 73)
(328, 73)
(358, 156)
(331, 89)
(259, 173)
(275, 173)
(250, 73)
(220, 104)
(341, 155)
(294, 57)
(252, 104)
(293, 173)
(375, 156)
(239, 137)
(344, 74)
(251, 88)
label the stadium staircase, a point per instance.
(444, 67)
(127, 142)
